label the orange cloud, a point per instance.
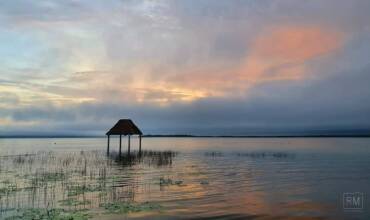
(280, 53)
(295, 43)
(275, 54)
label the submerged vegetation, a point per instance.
(73, 202)
(257, 154)
(8, 188)
(75, 190)
(168, 181)
(86, 184)
(266, 155)
(209, 182)
(48, 214)
(68, 186)
(127, 207)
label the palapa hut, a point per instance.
(124, 127)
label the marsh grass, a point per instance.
(168, 182)
(214, 154)
(75, 190)
(50, 185)
(74, 202)
(256, 154)
(204, 182)
(8, 188)
(127, 207)
(48, 214)
(267, 155)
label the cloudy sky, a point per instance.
(195, 67)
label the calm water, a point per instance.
(224, 178)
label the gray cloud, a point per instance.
(114, 42)
(277, 108)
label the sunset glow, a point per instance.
(153, 55)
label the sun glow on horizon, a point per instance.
(229, 59)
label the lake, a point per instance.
(185, 178)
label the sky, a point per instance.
(184, 67)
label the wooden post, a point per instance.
(108, 146)
(139, 144)
(128, 145)
(120, 144)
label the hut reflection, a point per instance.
(147, 157)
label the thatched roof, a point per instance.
(124, 127)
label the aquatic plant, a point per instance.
(52, 176)
(43, 178)
(127, 207)
(72, 180)
(8, 189)
(6, 181)
(48, 214)
(278, 155)
(168, 181)
(204, 182)
(163, 181)
(75, 190)
(214, 154)
(73, 202)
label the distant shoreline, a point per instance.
(192, 136)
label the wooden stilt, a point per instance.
(139, 144)
(108, 146)
(120, 144)
(129, 145)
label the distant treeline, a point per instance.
(255, 136)
(192, 136)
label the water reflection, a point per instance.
(239, 183)
(148, 157)
(75, 181)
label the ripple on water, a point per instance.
(227, 185)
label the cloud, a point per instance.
(280, 53)
(183, 66)
(295, 43)
(8, 98)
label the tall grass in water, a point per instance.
(67, 185)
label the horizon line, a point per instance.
(191, 136)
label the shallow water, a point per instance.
(225, 178)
